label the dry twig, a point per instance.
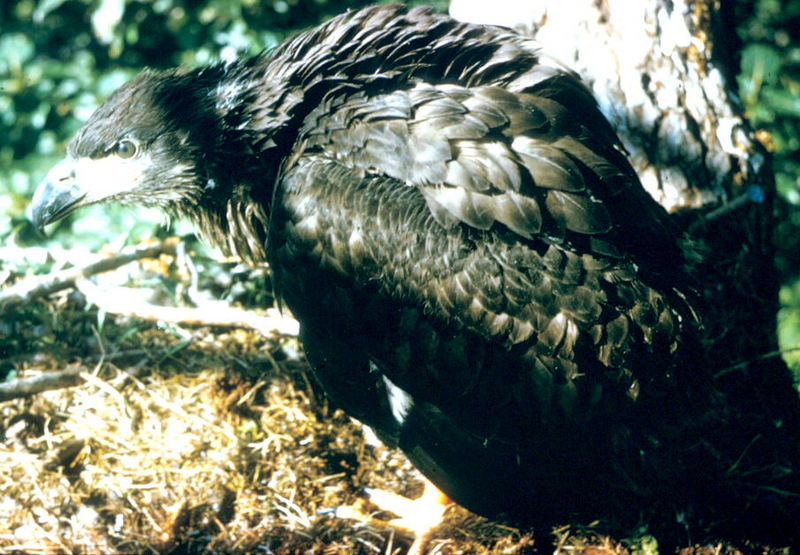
(39, 286)
(127, 301)
(122, 300)
(24, 387)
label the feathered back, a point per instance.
(488, 130)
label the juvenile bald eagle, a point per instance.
(478, 273)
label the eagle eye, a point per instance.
(126, 148)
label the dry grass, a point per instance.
(214, 442)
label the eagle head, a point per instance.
(144, 145)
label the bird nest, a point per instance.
(190, 437)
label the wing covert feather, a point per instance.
(489, 156)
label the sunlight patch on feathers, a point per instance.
(110, 176)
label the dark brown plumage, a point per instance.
(478, 273)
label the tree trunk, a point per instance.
(664, 72)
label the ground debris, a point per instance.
(205, 459)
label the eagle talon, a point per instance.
(418, 517)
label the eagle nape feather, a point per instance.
(477, 271)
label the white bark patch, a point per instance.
(675, 33)
(507, 13)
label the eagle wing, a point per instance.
(503, 175)
(477, 262)
(543, 162)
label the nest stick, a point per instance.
(121, 300)
(24, 387)
(39, 286)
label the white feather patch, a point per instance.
(108, 177)
(400, 402)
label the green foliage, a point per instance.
(769, 85)
(644, 545)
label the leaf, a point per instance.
(782, 102)
(761, 63)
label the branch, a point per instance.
(759, 358)
(75, 374)
(123, 300)
(39, 286)
(24, 387)
(127, 301)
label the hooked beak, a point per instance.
(57, 195)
